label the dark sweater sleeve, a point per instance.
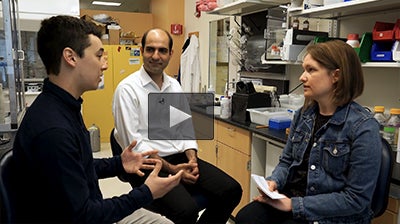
(108, 167)
(68, 169)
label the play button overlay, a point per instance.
(177, 116)
(180, 116)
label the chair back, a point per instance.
(5, 187)
(115, 147)
(381, 193)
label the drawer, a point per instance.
(393, 205)
(235, 137)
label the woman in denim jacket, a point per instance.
(330, 164)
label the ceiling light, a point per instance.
(106, 3)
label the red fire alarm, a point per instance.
(176, 29)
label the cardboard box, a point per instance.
(113, 37)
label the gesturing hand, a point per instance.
(159, 186)
(134, 161)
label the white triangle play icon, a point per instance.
(177, 116)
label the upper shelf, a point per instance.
(343, 9)
(244, 7)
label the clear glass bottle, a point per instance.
(379, 115)
(391, 128)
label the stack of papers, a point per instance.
(263, 185)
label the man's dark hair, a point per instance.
(59, 32)
(171, 42)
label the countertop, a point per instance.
(277, 135)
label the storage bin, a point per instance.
(383, 31)
(364, 51)
(263, 114)
(397, 30)
(382, 51)
(279, 123)
(396, 51)
(241, 102)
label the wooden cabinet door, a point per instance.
(235, 164)
(207, 151)
(234, 136)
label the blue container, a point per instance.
(279, 123)
(382, 51)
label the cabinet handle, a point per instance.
(248, 165)
(231, 131)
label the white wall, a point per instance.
(201, 25)
(32, 12)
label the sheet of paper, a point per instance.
(262, 184)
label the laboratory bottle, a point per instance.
(352, 40)
(225, 108)
(379, 115)
(391, 128)
(306, 25)
(295, 24)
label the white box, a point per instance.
(330, 2)
(308, 4)
(263, 114)
(396, 51)
(291, 51)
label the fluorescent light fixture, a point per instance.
(106, 3)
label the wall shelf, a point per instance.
(344, 9)
(244, 7)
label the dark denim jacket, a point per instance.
(343, 167)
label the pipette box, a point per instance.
(279, 123)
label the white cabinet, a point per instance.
(265, 153)
(347, 9)
(244, 7)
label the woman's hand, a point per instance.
(284, 204)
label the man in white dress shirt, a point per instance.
(130, 110)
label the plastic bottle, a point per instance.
(295, 24)
(391, 128)
(306, 25)
(225, 108)
(380, 117)
(94, 132)
(352, 40)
